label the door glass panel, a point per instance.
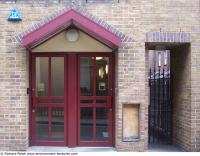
(86, 101)
(41, 124)
(57, 76)
(102, 66)
(42, 66)
(101, 101)
(86, 76)
(57, 124)
(86, 124)
(102, 124)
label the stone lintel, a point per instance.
(168, 37)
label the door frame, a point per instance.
(31, 90)
(74, 142)
(111, 114)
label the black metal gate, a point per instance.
(160, 108)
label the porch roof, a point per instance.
(67, 19)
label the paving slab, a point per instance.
(164, 148)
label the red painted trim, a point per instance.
(94, 123)
(113, 97)
(49, 76)
(94, 106)
(94, 94)
(50, 105)
(111, 112)
(65, 53)
(50, 98)
(35, 104)
(32, 101)
(71, 106)
(78, 104)
(48, 143)
(108, 104)
(63, 21)
(72, 100)
(30, 97)
(65, 100)
(49, 122)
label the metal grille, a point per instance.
(160, 108)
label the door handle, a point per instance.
(110, 109)
(30, 91)
(33, 110)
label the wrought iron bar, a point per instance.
(160, 108)
(149, 120)
(154, 104)
(163, 119)
(171, 107)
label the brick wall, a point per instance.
(14, 101)
(133, 17)
(181, 69)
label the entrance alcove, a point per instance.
(178, 92)
(72, 80)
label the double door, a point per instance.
(71, 99)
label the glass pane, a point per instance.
(86, 80)
(101, 101)
(57, 76)
(41, 124)
(57, 124)
(86, 101)
(86, 122)
(42, 66)
(102, 64)
(102, 124)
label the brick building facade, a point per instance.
(140, 26)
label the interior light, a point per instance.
(106, 69)
(101, 72)
(99, 58)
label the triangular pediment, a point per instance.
(66, 20)
(59, 43)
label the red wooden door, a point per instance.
(72, 99)
(95, 99)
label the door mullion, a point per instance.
(33, 90)
(65, 99)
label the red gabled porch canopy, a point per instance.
(62, 22)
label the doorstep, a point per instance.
(66, 149)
